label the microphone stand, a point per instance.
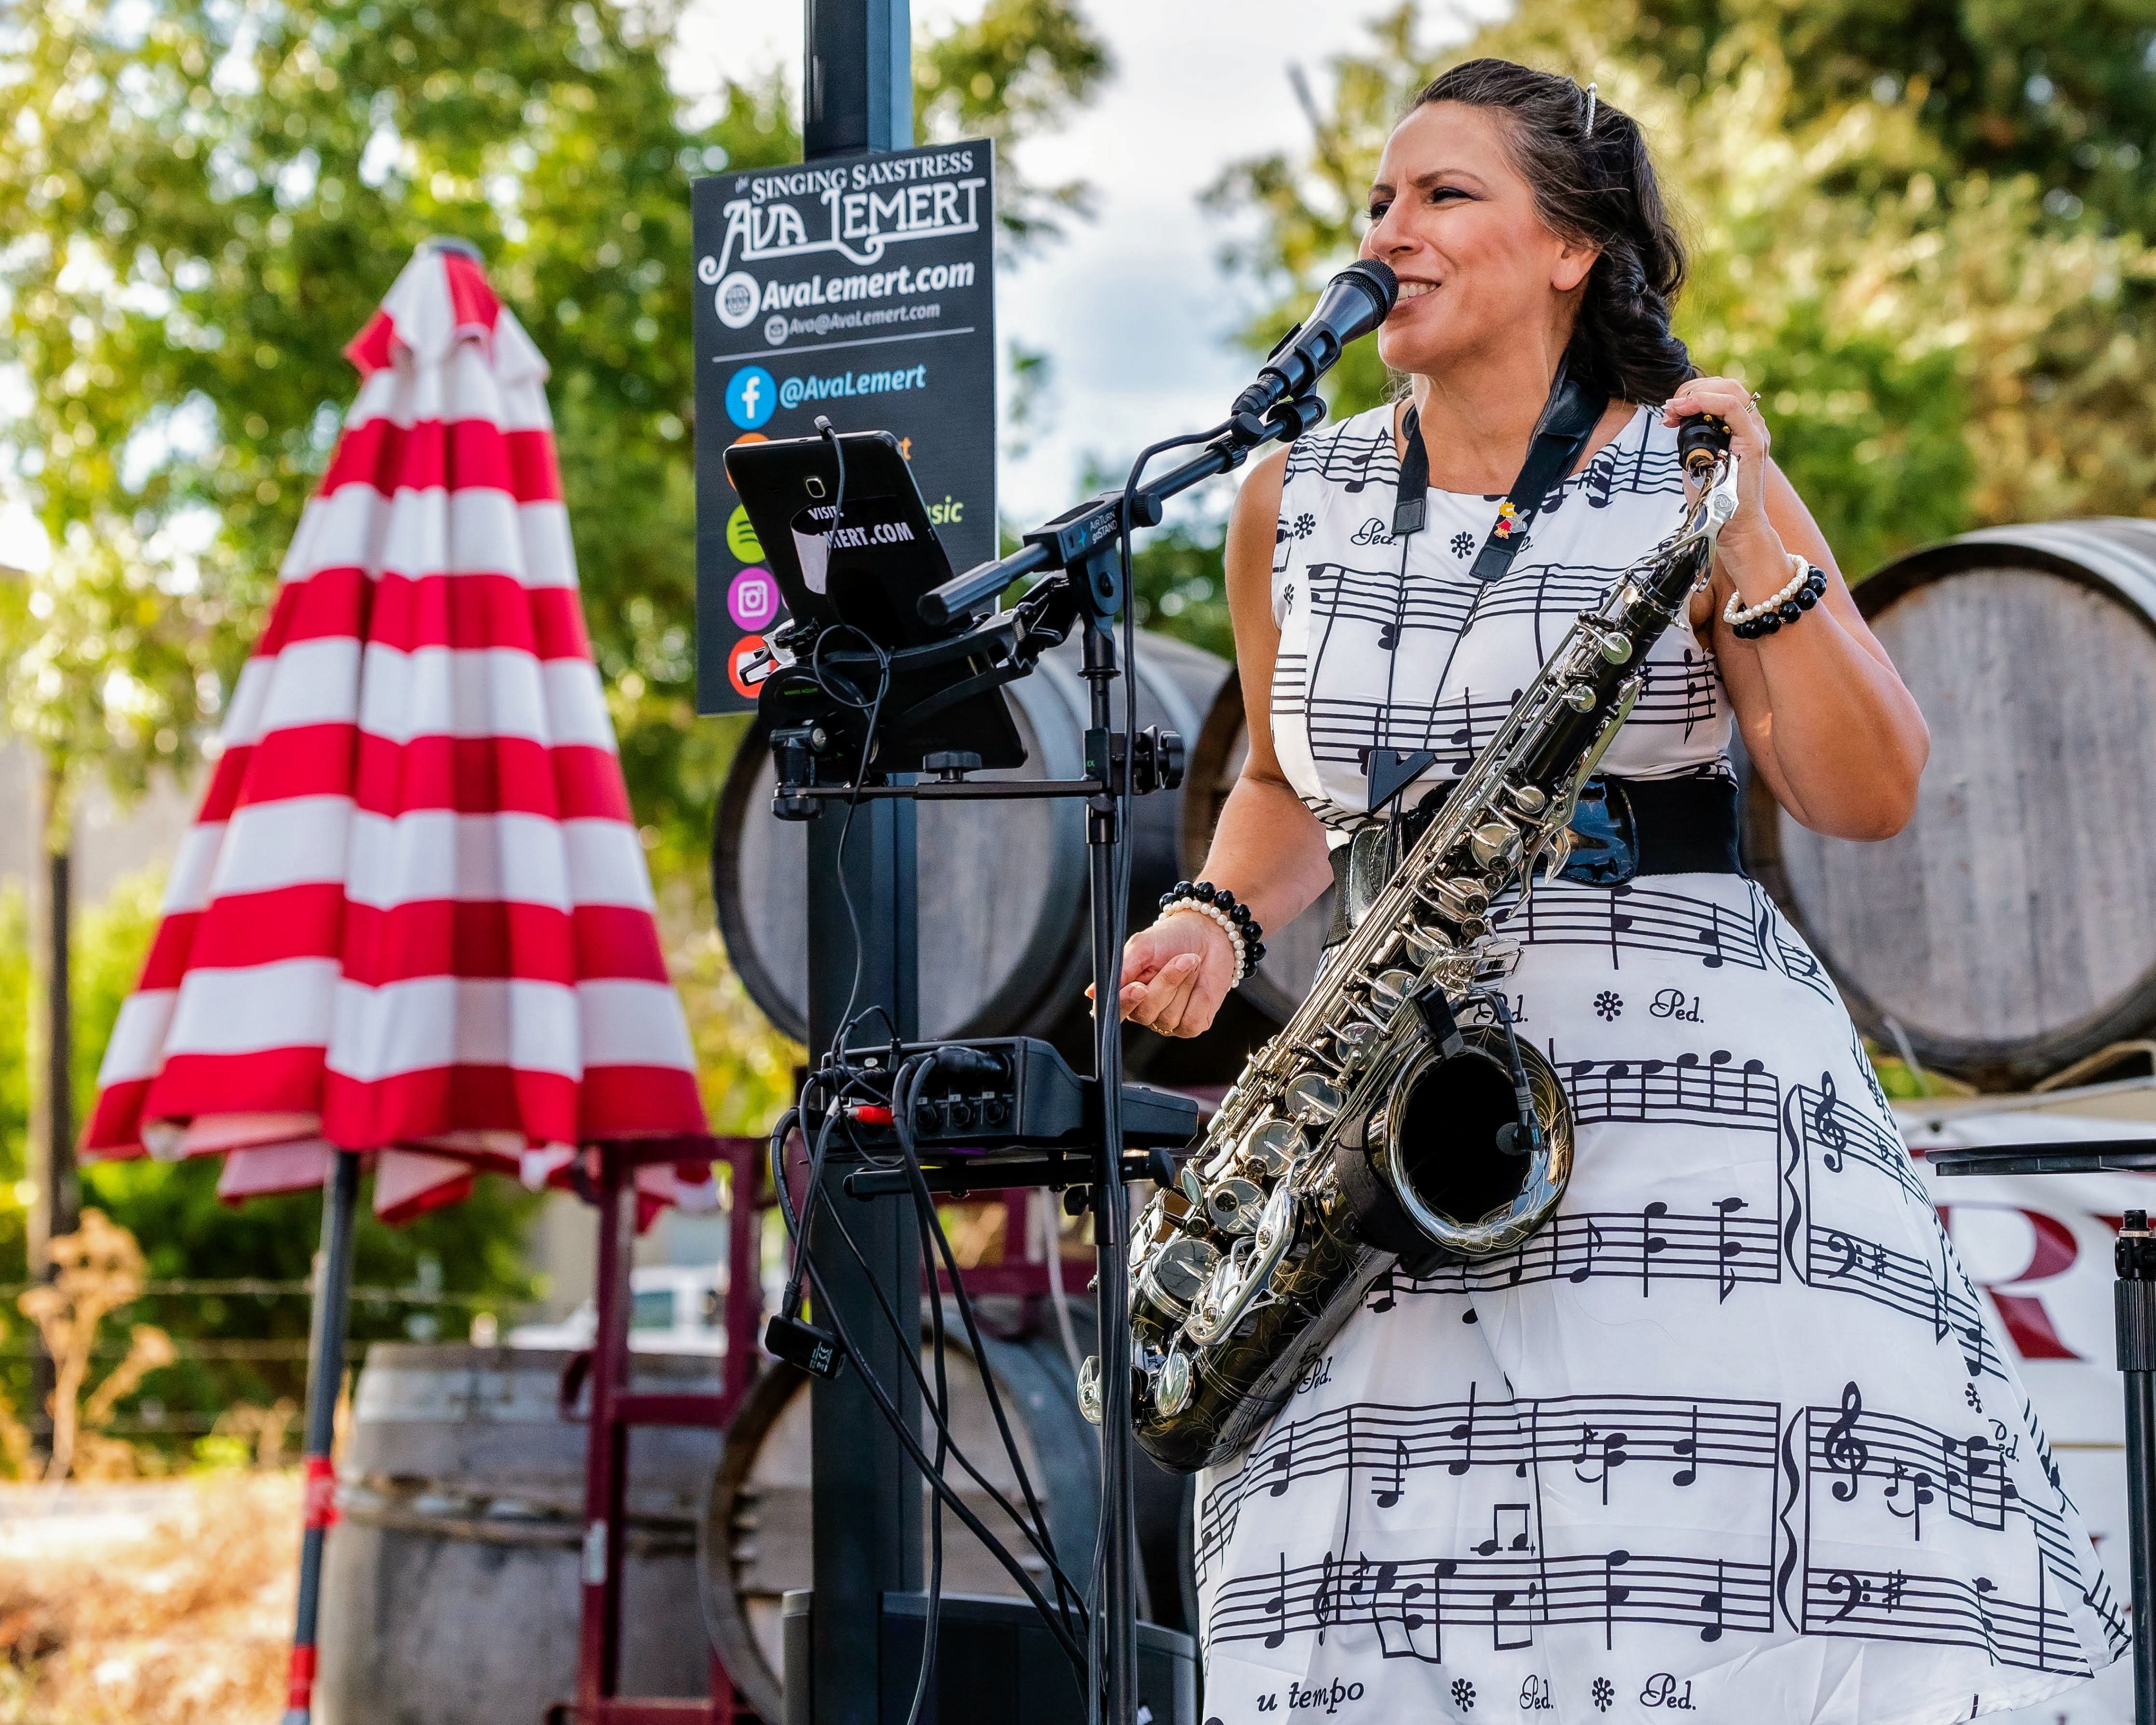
(1086, 545)
(1080, 553)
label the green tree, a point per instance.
(2063, 92)
(202, 204)
(1935, 349)
(209, 201)
(1022, 67)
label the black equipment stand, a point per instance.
(2135, 1307)
(864, 1514)
(865, 1522)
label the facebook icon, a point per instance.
(751, 397)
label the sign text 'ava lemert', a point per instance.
(888, 257)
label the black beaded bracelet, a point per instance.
(1751, 625)
(1221, 907)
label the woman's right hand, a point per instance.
(1177, 973)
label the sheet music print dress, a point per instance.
(1734, 1438)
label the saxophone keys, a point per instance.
(1577, 696)
(1355, 1040)
(1220, 1305)
(1459, 899)
(1089, 1389)
(1312, 1098)
(1494, 844)
(1271, 1147)
(1423, 945)
(1172, 1384)
(1173, 1277)
(1233, 1204)
(1387, 988)
(1277, 1226)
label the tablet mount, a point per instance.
(817, 743)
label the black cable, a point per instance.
(775, 1153)
(907, 1092)
(874, 707)
(1528, 1139)
(790, 1300)
(797, 1226)
(940, 1411)
(937, 1400)
(838, 455)
(925, 1205)
(911, 1355)
(1038, 1539)
(912, 1444)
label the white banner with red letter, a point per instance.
(2040, 1247)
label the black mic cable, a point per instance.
(839, 455)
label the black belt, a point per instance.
(1622, 828)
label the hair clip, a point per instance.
(1589, 128)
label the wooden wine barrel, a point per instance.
(1003, 934)
(451, 1583)
(1216, 762)
(2010, 929)
(753, 1539)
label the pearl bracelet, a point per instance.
(1234, 919)
(1191, 907)
(1806, 586)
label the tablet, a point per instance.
(868, 570)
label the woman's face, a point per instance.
(1456, 222)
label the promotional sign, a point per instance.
(861, 289)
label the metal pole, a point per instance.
(858, 72)
(866, 1517)
(324, 1378)
(2135, 1297)
(866, 1521)
(62, 1197)
(745, 1164)
(606, 1443)
(49, 1160)
(1114, 1642)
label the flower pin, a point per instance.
(1508, 520)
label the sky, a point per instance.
(1132, 307)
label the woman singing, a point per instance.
(1733, 1438)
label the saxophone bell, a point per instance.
(1445, 1147)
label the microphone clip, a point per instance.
(1287, 421)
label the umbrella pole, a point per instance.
(324, 1378)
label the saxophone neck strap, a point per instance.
(1569, 419)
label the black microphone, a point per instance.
(1354, 302)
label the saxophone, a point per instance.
(1378, 1129)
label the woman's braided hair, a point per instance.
(1596, 186)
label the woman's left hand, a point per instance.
(1731, 403)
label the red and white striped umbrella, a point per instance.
(413, 915)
